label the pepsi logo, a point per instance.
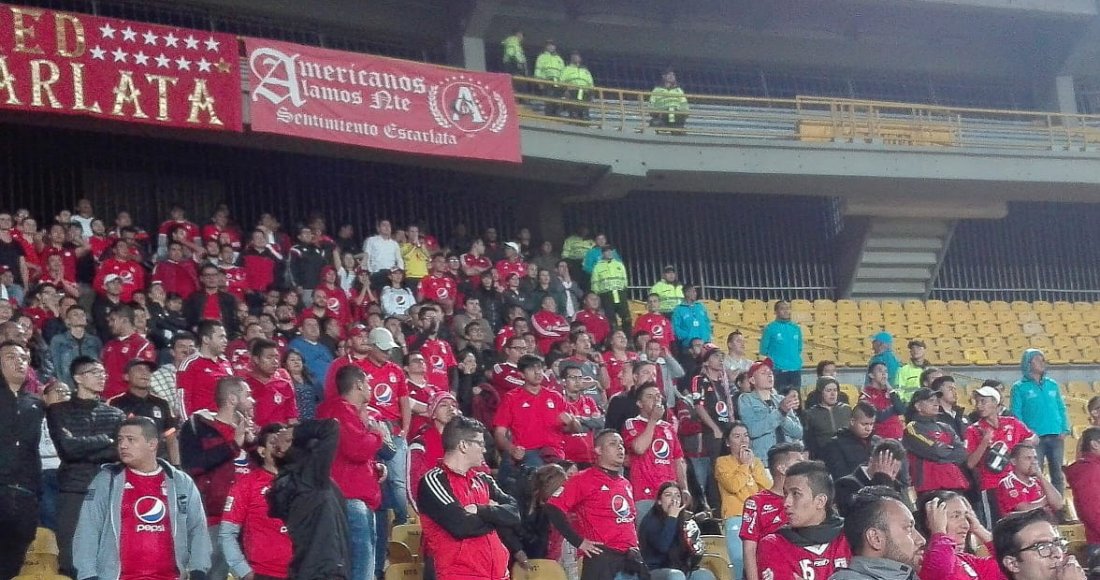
(442, 293)
(657, 331)
(333, 304)
(661, 448)
(437, 362)
(722, 410)
(383, 393)
(150, 510)
(621, 506)
(242, 459)
(399, 299)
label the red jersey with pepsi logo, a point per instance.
(581, 447)
(658, 327)
(440, 358)
(146, 548)
(436, 288)
(604, 507)
(117, 354)
(763, 515)
(198, 377)
(388, 386)
(533, 418)
(657, 465)
(267, 546)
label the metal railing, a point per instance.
(813, 120)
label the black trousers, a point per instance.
(18, 522)
(68, 512)
(617, 313)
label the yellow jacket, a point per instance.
(738, 482)
(416, 259)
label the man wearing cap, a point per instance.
(690, 319)
(988, 443)
(882, 345)
(935, 450)
(271, 385)
(713, 404)
(609, 282)
(512, 263)
(104, 303)
(139, 402)
(390, 397)
(127, 345)
(669, 290)
(781, 342)
(909, 374)
(766, 413)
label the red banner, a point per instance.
(380, 102)
(77, 64)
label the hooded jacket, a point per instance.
(823, 547)
(862, 568)
(1039, 404)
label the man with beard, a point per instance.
(885, 542)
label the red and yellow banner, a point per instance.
(379, 102)
(77, 64)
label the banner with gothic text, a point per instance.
(380, 102)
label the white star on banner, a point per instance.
(191, 42)
(162, 61)
(129, 34)
(141, 58)
(183, 63)
(211, 44)
(106, 31)
(204, 65)
(98, 53)
(171, 40)
(150, 38)
(119, 54)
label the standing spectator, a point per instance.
(740, 475)
(354, 468)
(199, 375)
(1029, 547)
(669, 290)
(885, 542)
(936, 450)
(176, 272)
(305, 496)
(437, 351)
(1084, 478)
(669, 538)
(950, 411)
(52, 393)
(737, 361)
(668, 103)
(426, 445)
(988, 442)
(812, 545)
(514, 59)
(104, 303)
(548, 67)
(530, 422)
(575, 248)
(138, 402)
(127, 345)
(439, 286)
(212, 447)
(594, 319)
(383, 254)
(714, 407)
(305, 261)
(549, 327)
(654, 323)
(765, 512)
(882, 469)
(152, 527)
(266, 544)
(471, 314)
(851, 447)
(578, 84)
(1025, 488)
(826, 418)
(767, 414)
(84, 430)
(474, 262)
(602, 502)
(307, 389)
(177, 218)
(1037, 401)
(74, 342)
(463, 509)
(889, 409)
(609, 282)
(263, 264)
(317, 356)
(656, 456)
(271, 386)
(12, 254)
(163, 381)
(124, 264)
(580, 445)
(908, 379)
(21, 415)
(781, 341)
(595, 252)
(882, 345)
(416, 255)
(211, 302)
(690, 319)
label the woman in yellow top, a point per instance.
(740, 475)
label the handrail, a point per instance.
(815, 119)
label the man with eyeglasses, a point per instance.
(506, 375)
(212, 302)
(463, 508)
(1029, 547)
(580, 445)
(83, 429)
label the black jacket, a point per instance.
(663, 541)
(847, 486)
(21, 420)
(305, 264)
(84, 432)
(845, 452)
(193, 306)
(305, 497)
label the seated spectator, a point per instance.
(851, 447)
(74, 342)
(889, 409)
(669, 370)
(654, 323)
(1093, 408)
(669, 538)
(549, 326)
(396, 298)
(824, 419)
(1030, 547)
(936, 450)
(885, 543)
(426, 444)
(948, 521)
(124, 266)
(594, 319)
(882, 469)
(1025, 488)
(317, 357)
(668, 104)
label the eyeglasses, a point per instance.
(1045, 549)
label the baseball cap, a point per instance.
(137, 362)
(989, 392)
(670, 268)
(883, 337)
(916, 342)
(111, 278)
(381, 338)
(924, 394)
(709, 349)
(512, 245)
(358, 330)
(756, 366)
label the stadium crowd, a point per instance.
(204, 401)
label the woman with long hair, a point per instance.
(826, 417)
(307, 390)
(948, 521)
(615, 358)
(670, 539)
(740, 475)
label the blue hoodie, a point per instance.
(1039, 404)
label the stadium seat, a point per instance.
(408, 534)
(400, 553)
(1079, 389)
(731, 304)
(717, 566)
(404, 571)
(45, 542)
(539, 569)
(715, 545)
(40, 564)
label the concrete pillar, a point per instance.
(1065, 94)
(473, 51)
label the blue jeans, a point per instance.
(397, 471)
(361, 530)
(219, 568)
(1052, 448)
(735, 548)
(510, 470)
(670, 574)
(47, 501)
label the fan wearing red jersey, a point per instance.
(421, 392)
(655, 324)
(763, 513)
(549, 326)
(593, 319)
(811, 546)
(988, 443)
(506, 376)
(246, 524)
(128, 345)
(580, 446)
(198, 376)
(655, 453)
(272, 387)
(531, 422)
(1025, 488)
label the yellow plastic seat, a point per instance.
(408, 534)
(539, 569)
(405, 571)
(40, 564)
(717, 566)
(45, 542)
